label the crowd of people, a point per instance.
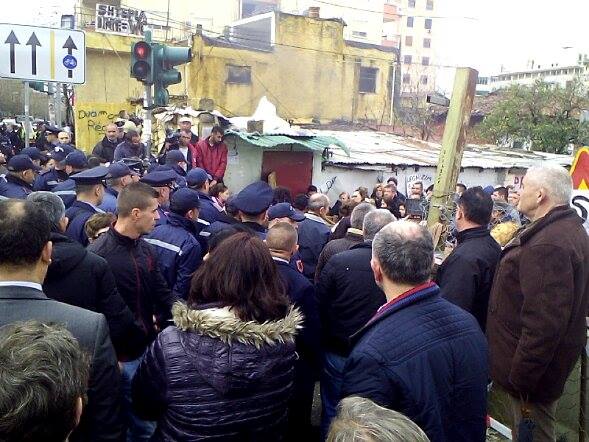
(149, 302)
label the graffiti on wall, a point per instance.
(91, 121)
(425, 177)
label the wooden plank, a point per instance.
(452, 149)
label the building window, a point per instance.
(423, 79)
(428, 23)
(367, 80)
(429, 5)
(407, 59)
(239, 74)
(427, 42)
(412, 3)
(360, 34)
(409, 22)
(425, 61)
(409, 40)
(406, 78)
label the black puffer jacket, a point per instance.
(81, 278)
(215, 377)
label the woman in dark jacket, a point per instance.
(225, 370)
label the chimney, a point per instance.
(313, 11)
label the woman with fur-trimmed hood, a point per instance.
(225, 369)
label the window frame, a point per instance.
(234, 79)
(363, 78)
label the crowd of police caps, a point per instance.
(141, 300)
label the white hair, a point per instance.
(555, 180)
(318, 201)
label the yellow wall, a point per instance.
(316, 83)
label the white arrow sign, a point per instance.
(42, 54)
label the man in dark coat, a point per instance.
(353, 237)
(139, 280)
(466, 275)
(313, 233)
(179, 253)
(20, 178)
(74, 162)
(392, 199)
(89, 192)
(282, 242)
(536, 325)
(25, 253)
(348, 298)
(48, 179)
(419, 354)
(105, 148)
(252, 203)
(72, 267)
(131, 147)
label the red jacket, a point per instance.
(212, 159)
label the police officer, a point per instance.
(74, 162)
(198, 179)
(284, 212)
(176, 244)
(20, 177)
(175, 160)
(163, 181)
(89, 186)
(51, 133)
(56, 174)
(119, 177)
(35, 155)
(252, 203)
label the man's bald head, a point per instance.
(282, 237)
(404, 251)
(318, 203)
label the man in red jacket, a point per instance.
(210, 154)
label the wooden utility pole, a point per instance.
(453, 143)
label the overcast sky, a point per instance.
(484, 34)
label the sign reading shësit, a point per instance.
(116, 20)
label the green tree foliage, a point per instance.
(543, 114)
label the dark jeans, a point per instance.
(137, 429)
(332, 377)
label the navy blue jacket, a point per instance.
(78, 214)
(426, 358)
(207, 210)
(163, 219)
(224, 221)
(14, 187)
(178, 252)
(49, 179)
(66, 190)
(109, 201)
(313, 235)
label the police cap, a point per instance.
(160, 178)
(119, 170)
(174, 156)
(76, 159)
(285, 210)
(20, 163)
(33, 153)
(96, 175)
(52, 129)
(183, 200)
(254, 198)
(197, 177)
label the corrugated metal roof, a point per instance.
(378, 148)
(315, 142)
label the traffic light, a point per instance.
(164, 60)
(142, 62)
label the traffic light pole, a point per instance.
(27, 111)
(147, 105)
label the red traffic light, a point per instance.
(142, 50)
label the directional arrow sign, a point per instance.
(56, 55)
(70, 46)
(12, 40)
(33, 43)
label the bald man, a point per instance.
(282, 240)
(536, 321)
(105, 149)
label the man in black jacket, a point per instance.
(105, 149)
(466, 275)
(348, 298)
(25, 253)
(139, 280)
(72, 267)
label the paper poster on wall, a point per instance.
(427, 179)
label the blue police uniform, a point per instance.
(109, 201)
(313, 235)
(47, 180)
(66, 190)
(253, 200)
(12, 186)
(178, 250)
(160, 178)
(208, 211)
(81, 211)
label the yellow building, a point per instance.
(302, 64)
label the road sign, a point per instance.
(42, 54)
(580, 169)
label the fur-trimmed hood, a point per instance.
(223, 324)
